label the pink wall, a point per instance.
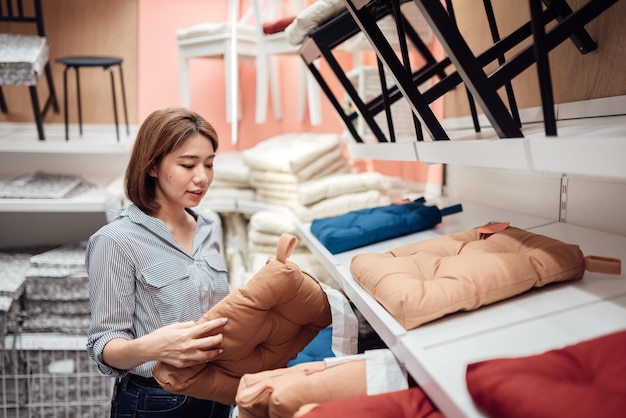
(159, 84)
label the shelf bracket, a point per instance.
(563, 199)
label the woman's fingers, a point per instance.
(215, 323)
(211, 327)
(207, 335)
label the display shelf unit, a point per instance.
(591, 142)
(436, 354)
(96, 157)
(99, 159)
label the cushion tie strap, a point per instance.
(449, 210)
(606, 265)
(286, 244)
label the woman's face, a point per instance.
(184, 176)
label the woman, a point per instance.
(156, 268)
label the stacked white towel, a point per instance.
(296, 171)
(231, 178)
(264, 230)
(235, 247)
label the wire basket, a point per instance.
(50, 376)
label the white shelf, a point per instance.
(97, 156)
(587, 144)
(47, 341)
(97, 139)
(240, 206)
(93, 200)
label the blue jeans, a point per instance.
(138, 397)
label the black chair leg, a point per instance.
(124, 99)
(37, 111)
(470, 98)
(471, 71)
(333, 100)
(581, 37)
(543, 68)
(78, 103)
(404, 79)
(65, 113)
(52, 94)
(556, 35)
(3, 103)
(495, 37)
(383, 87)
(404, 53)
(117, 129)
(352, 93)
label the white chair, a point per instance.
(269, 47)
(230, 41)
(242, 37)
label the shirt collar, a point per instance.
(136, 215)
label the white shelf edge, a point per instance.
(96, 200)
(598, 157)
(46, 341)
(591, 135)
(510, 153)
(395, 151)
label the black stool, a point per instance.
(106, 63)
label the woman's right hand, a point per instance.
(182, 344)
(188, 343)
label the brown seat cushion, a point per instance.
(280, 393)
(426, 280)
(583, 380)
(270, 319)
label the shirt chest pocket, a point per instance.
(216, 264)
(219, 275)
(172, 289)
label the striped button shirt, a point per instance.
(140, 279)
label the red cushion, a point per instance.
(409, 403)
(278, 26)
(587, 379)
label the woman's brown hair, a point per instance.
(163, 132)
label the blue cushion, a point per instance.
(318, 349)
(366, 226)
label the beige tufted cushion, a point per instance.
(426, 280)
